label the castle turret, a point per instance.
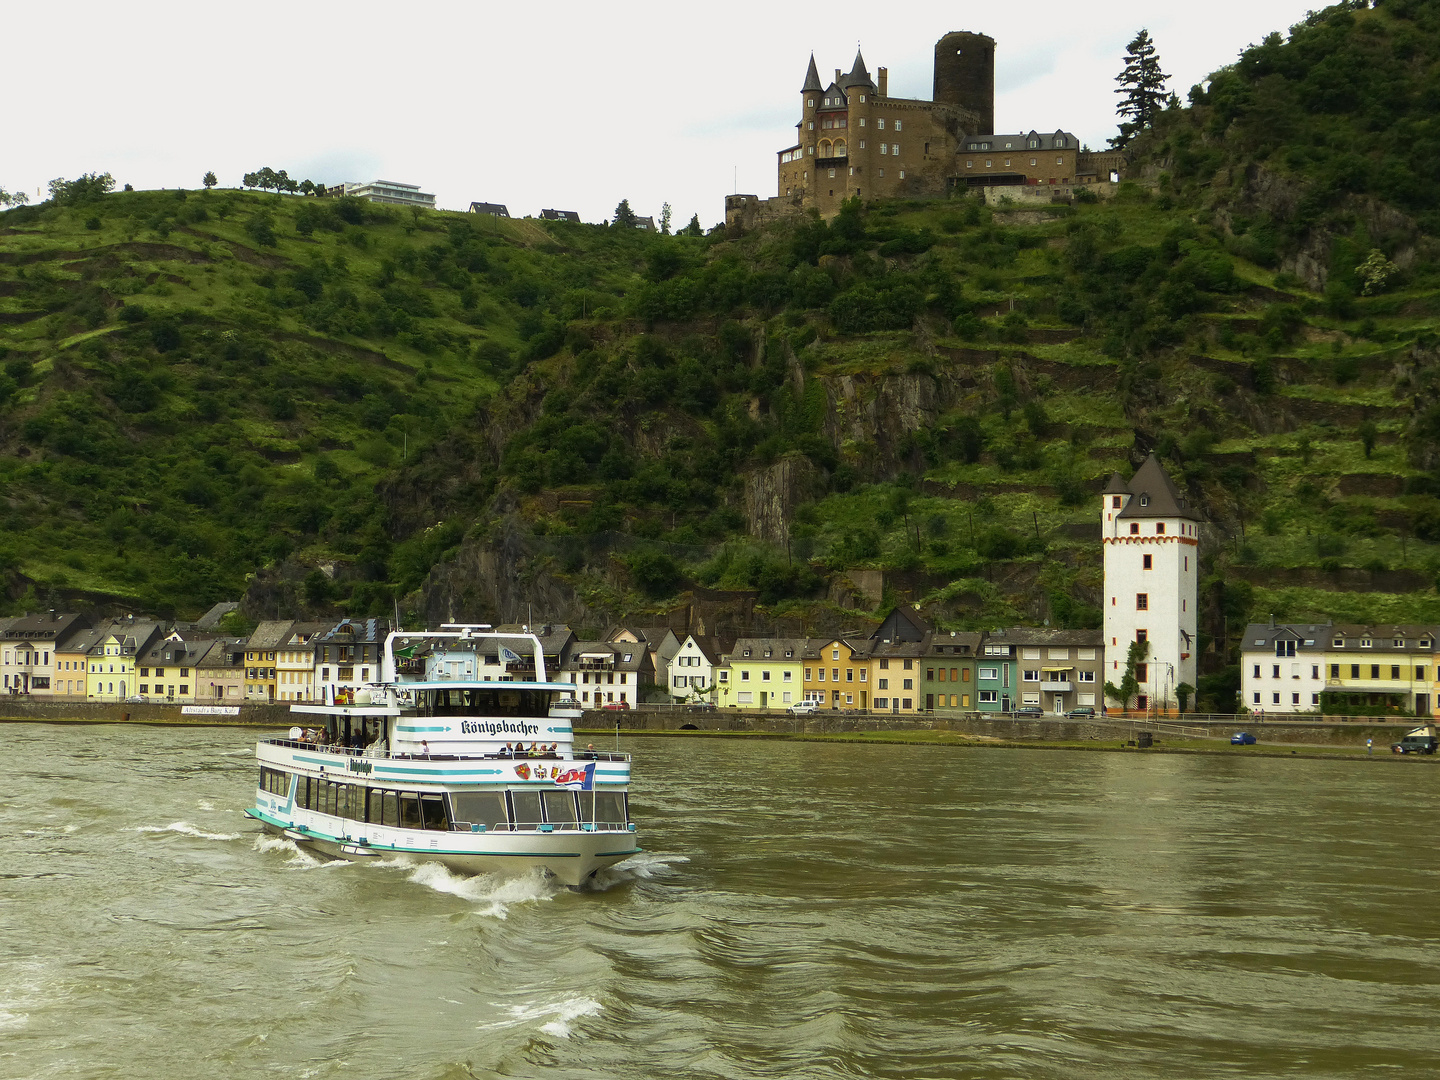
(965, 76)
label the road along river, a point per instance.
(803, 910)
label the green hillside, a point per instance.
(330, 406)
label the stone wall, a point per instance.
(19, 709)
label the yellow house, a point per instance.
(1376, 670)
(837, 674)
(111, 660)
(763, 673)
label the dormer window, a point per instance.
(1399, 643)
(1424, 643)
(747, 652)
(1365, 643)
(789, 653)
(1339, 643)
(1144, 500)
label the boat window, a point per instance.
(559, 807)
(478, 808)
(390, 815)
(356, 809)
(409, 810)
(483, 702)
(604, 808)
(525, 809)
(432, 809)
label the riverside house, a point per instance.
(763, 673)
(261, 665)
(347, 655)
(168, 668)
(898, 649)
(295, 662)
(1283, 667)
(220, 673)
(608, 672)
(948, 679)
(694, 668)
(1373, 670)
(111, 662)
(1057, 670)
(28, 648)
(837, 673)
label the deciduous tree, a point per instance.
(665, 220)
(210, 180)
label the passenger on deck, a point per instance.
(424, 748)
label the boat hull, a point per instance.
(570, 857)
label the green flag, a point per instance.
(407, 653)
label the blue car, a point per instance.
(1242, 738)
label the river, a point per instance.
(803, 910)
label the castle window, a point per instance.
(827, 102)
(882, 172)
(988, 163)
(862, 142)
(895, 149)
(812, 148)
(810, 103)
(969, 164)
(862, 119)
(1033, 161)
(862, 99)
(880, 123)
(897, 125)
(832, 174)
(828, 124)
(811, 125)
(843, 122)
(1034, 145)
(1007, 163)
(1059, 161)
(902, 174)
(883, 148)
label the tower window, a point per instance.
(1134, 528)
(1115, 501)
(1148, 560)
(1160, 529)
(1142, 601)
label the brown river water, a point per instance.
(802, 911)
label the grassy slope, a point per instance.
(658, 372)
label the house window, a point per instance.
(1030, 675)
(1354, 671)
(884, 684)
(989, 697)
(744, 675)
(989, 673)
(821, 676)
(1142, 601)
(1257, 671)
(1374, 671)
(809, 676)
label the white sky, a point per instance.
(565, 105)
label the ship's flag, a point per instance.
(407, 653)
(581, 779)
(508, 656)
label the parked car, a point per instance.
(701, 706)
(1081, 712)
(1028, 712)
(616, 705)
(1242, 738)
(1415, 743)
(804, 708)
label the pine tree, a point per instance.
(1142, 85)
(624, 217)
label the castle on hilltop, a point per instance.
(854, 140)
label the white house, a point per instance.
(693, 667)
(1151, 543)
(1282, 668)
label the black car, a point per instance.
(1028, 712)
(1081, 712)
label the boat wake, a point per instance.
(184, 828)
(492, 893)
(557, 1015)
(299, 860)
(640, 867)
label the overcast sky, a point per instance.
(565, 105)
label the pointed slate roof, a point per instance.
(1154, 496)
(1116, 486)
(812, 78)
(858, 75)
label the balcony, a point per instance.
(1055, 686)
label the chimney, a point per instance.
(837, 76)
(882, 81)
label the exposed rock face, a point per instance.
(772, 494)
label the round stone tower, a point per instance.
(965, 75)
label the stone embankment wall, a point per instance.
(268, 716)
(1005, 729)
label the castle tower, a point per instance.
(965, 75)
(1150, 537)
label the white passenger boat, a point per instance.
(423, 765)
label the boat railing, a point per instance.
(546, 826)
(359, 751)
